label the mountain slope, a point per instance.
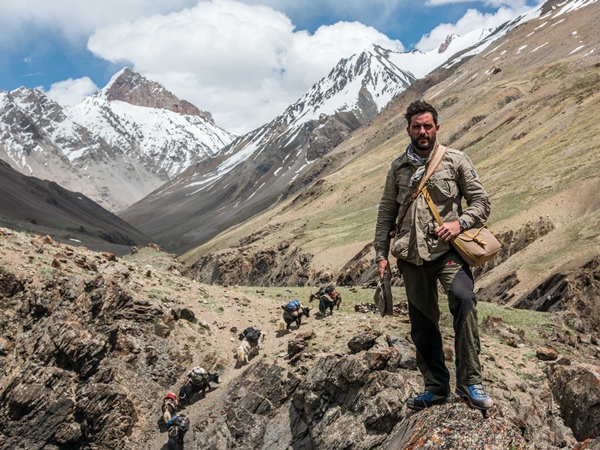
(116, 146)
(43, 207)
(519, 109)
(89, 348)
(279, 158)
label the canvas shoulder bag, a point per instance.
(476, 245)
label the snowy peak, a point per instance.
(31, 100)
(131, 87)
(115, 147)
(275, 160)
(363, 84)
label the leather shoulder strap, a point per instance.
(434, 210)
(432, 165)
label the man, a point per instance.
(424, 255)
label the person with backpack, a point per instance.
(424, 254)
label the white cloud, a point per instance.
(73, 19)
(472, 20)
(71, 92)
(245, 64)
(245, 61)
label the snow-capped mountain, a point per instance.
(287, 154)
(116, 146)
(274, 160)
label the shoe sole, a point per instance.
(461, 394)
(434, 403)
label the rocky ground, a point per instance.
(91, 342)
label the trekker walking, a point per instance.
(424, 255)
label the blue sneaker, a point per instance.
(476, 395)
(426, 399)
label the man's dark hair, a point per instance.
(420, 107)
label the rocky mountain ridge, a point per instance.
(115, 147)
(130, 87)
(43, 207)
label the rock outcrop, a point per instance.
(91, 345)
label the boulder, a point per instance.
(363, 341)
(576, 388)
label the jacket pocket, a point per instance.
(404, 190)
(399, 247)
(442, 186)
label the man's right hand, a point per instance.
(382, 266)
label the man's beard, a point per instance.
(421, 147)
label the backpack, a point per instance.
(293, 305)
(178, 426)
(251, 334)
(330, 290)
(198, 375)
(183, 423)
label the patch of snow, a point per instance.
(577, 49)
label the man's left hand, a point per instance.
(448, 231)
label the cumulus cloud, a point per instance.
(73, 19)
(71, 92)
(243, 63)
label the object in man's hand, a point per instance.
(383, 296)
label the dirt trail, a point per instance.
(264, 314)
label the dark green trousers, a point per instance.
(421, 289)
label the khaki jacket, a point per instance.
(454, 179)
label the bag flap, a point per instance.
(472, 234)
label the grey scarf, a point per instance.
(417, 162)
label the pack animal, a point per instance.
(250, 345)
(288, 318)
(328, 298)
(177, 427)
(169, 406)
(244, 352)
(195, 385)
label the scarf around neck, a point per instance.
(418, 162)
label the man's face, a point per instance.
(422, 131)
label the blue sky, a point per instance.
(244, 61)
